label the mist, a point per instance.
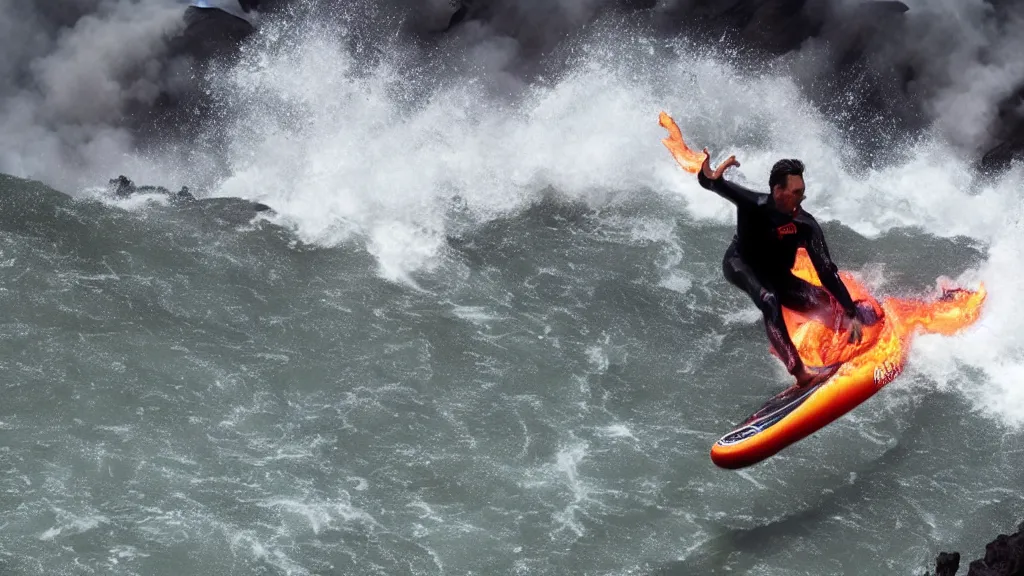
(77, 68)
(967, 54)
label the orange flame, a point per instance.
(687, 159)
(885, 344)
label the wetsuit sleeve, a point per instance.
(731, 191)
(827, 271)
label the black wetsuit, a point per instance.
(760, 259)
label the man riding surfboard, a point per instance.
(769, 230)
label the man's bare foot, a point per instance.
(814, 375)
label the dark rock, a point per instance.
(458, 16)
(235, 209)
(123, 187)
(1004, 556)
(184, 195)
(1009, 133)
(947, 563)
(210, 36)
(210, 33)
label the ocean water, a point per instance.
(487, 333)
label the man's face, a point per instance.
(789, 197)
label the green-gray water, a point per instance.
(482, 337)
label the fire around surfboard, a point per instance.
(865, 368)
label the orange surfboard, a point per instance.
(866, 367)
(823, 340)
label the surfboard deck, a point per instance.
(772, 412)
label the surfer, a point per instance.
(769, 230)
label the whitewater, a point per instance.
(484, 330)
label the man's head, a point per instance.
(787, 184)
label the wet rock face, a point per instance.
(947, 563)
(209, 33)
(1004, 556)
(123, 187)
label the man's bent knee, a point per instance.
(768, 302)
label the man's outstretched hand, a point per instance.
(705, 168)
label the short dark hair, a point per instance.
(783, 168)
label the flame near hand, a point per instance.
(687, 158)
